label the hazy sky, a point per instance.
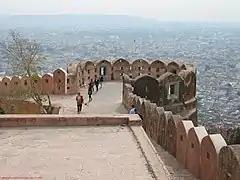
(220, 10)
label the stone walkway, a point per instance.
(106, 101)
(71, 153)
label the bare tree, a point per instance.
(24, 57)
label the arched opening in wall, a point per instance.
(130, 76)
(208, 155)
(149, 73)
(68, 81)
(112, 77)
(149, 69)
(82, 80)
(174, 71)
(147, 87)
(158, 75)
(59, 80)
(139, 74)
(25, 83)
(121, 68)
(5, 83)
(157, 70)
(103, 71)
(68, 88)
(88, 77)
(173, 91)
(46, 80)
(140, 68)
(88, 71)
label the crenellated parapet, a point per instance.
(206, 156)
(80, 73)
(50, 83)
(113, 70)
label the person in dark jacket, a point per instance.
(80, 101)
(96, 82)
(90, 94)
(101, 81)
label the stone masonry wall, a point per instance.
(206, 156)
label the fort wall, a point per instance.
(165, 95)
(80, 73)
(206, 156)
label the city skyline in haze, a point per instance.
(166, 10)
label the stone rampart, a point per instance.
(206, 156)
(80, 73)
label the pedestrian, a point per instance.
(80, 101)
(101, 81)
(91, 85)
(96, 83)
(90, 94)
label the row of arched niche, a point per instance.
(113, 70)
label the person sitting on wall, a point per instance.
(133, 110)
(80, 102)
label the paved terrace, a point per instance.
(84, 152)
(106, 101)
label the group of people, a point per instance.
(80, 100)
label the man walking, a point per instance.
(101, 81)
(80, 101)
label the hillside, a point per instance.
(89, 21)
